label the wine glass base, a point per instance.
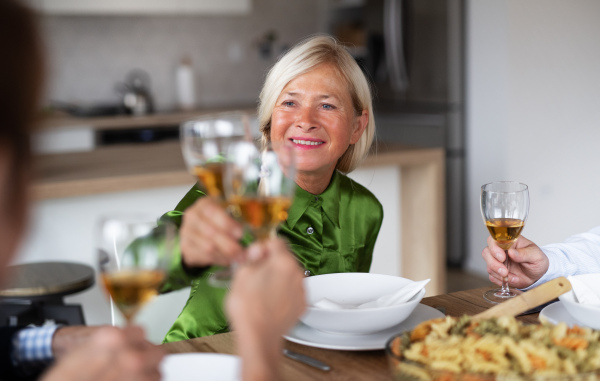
(496, 295)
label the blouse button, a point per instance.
(310, 230)
(306, 272)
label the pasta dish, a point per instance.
(500, 348)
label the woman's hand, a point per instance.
(528, 263)
(110, 354)
(266, 299)
(210, 236)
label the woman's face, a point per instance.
(314, 113)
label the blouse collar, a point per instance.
(329, 201)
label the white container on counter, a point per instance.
(186, 94)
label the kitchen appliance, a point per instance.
(135, 93)
(413, 53)
(87, 110)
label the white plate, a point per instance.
(305, 335)
(200, 366)
(556, 313)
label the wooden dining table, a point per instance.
(345, 365)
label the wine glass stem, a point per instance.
(505, 288)
(273, 232)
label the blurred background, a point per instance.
(508, 89)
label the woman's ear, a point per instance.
(361, 122)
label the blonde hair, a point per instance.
(304, 57)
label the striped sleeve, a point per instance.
(32, 349)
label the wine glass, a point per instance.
(504, 208)
(204, 143)
(133, 257)
(259, 184)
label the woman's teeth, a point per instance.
(306, 142)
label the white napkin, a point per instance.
(586, 288)
(327, 304)
(403, 295)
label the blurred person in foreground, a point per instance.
(108, 353)
(103, 353)
(532, 265)
(317, 100)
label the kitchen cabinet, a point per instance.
(142, 7)
(63, 133)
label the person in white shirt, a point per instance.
(532, 265)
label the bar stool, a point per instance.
(34, 293)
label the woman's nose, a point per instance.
(307, 119)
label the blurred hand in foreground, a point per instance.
(266, 299)
(109, 354)
(209, 235)
(528, 263)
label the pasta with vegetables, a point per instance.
(502, 348)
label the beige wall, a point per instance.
(90, 54)
(533, 112)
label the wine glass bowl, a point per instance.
(259, 184)
(133, 257)
(204, 143)
(504, 208)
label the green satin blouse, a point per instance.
(329, 233)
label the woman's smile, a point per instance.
(306, 143)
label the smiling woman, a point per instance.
(317, 99)
(314, 113)
(342, 73)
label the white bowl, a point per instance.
(584, 313)
(355, 289)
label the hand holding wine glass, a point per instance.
(528, 262)
(133, 257)
(504, 208)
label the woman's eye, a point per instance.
(328, 107)
(288, 103)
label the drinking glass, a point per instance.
(259, 184)
(204, 143)
(504, 208)
(133, 255)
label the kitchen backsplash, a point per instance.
(89, 55)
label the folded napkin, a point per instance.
(403, 295)
(586, 288)
(327, 304)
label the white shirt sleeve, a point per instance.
(579, 254)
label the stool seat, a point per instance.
(46, 279)
(33, 293)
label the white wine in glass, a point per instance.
(504, 208)
(204, 143)
(259, 184)
(133, 257)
